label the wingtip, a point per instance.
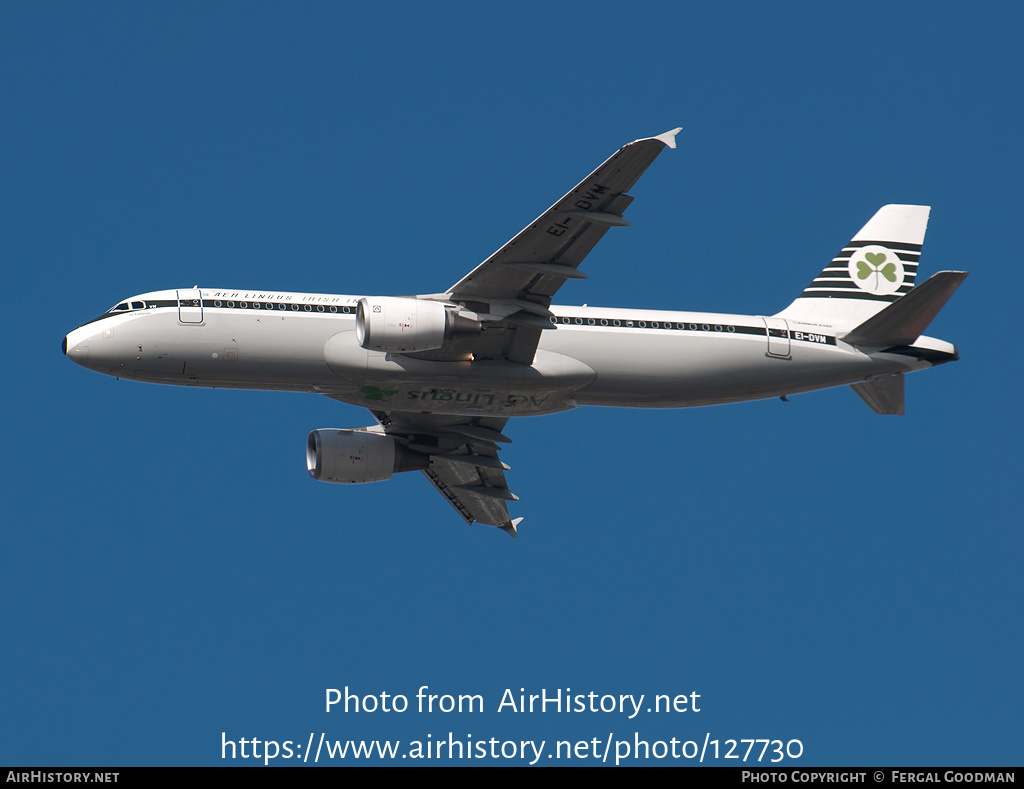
(669, 137)
(510, 528)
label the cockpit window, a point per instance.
(122, 307)
(138, 305)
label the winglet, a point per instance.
(669, 137)
(510, 528)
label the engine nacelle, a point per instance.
(358, 455)
(387, 323)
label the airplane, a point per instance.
(443, 373)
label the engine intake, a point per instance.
(358, 455)
(388, 323)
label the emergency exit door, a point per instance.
(190, 306)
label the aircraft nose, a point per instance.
(75, 346)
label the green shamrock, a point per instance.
(874, 266)
(376, 393)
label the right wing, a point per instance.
(464, 464)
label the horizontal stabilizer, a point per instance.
(903, 321)
(883, 395)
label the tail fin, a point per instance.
(873, 270)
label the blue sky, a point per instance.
(812, 570)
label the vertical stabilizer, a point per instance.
(873, 270)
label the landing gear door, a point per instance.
(190, 306)
(778, 337)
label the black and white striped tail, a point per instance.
(874, 269)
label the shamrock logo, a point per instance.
(874, 265)
(876, 270)
(376, 393)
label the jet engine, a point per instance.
(358, 455)
(387, 323)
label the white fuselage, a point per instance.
(590, 356)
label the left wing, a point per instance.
(534, 264)
(464, 464)
(518, 281)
